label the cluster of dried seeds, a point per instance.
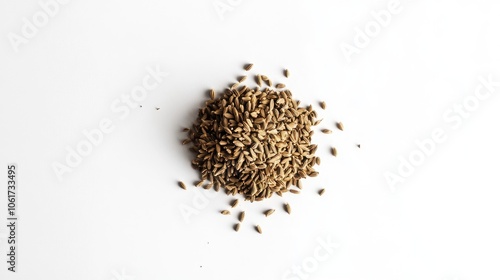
(254, 141)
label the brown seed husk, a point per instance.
(322, 104)
(236, 227)
(321, 192)
(242, 79)
(326, 131)
(225, 212)
(340, 126)
(254, 142)
(269, 212)
(280, 86)
(287, 73)
(294, 191)
(212, 94)
(241, 217)
(334, 152)
(182, 185)
(248, 67)
(234, 203)
(258, 229)
(288, 209)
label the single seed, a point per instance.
(234, 203)
(359, 146)
(334, 152)
(258, 80)
(269, 212)
(288, 209)
(280, 86)
(321, 192)
(340, 126)
(157, 108)
(248, 67)
(199, 183)
(212, 94)
(236, 227)
(185, 129)
(181, 184)
(225, 212)
(258, 229)
(235, 85)
(322, 104)
(287, 73)
(185, 141)
(241, 217)
(326, 131)
(318, 161)
(294, 191)
(242, 79)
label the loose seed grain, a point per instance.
(258, 229)
(225, 212)
(248, 67)
(234, 203)
(321, 192)
(288, 209)
(322, 104)
(241, 217)
(182, 185)
(334, 152)
(326, 131)
(340, 126)
(269, 212)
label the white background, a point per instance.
(116, 215)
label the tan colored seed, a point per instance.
(322, 104)
(248, 67)
(321, 192)
(288, 209)
(334, 152)
(236, 227)
(185, 141)
(234, 203)
(318, 161)
(199, 183)
(280, 85)
(258, 80)
(269, 212)
(241, 217)
(182, 185)
(340, 126)
(225, 212)
(294, 191)
(258, 229)
(212, 94)
(242, 79)
(287, 73)
(326, 131)
(235, 85)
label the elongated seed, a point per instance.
(340, 126)
(225, 212)
(326, 131)
(212, 94)
(182, 185)
(280, 85)
(242, 79)
(287, 73)
(234, 203)
(241, 217)
(258, 229)
(322, 104)
(321, 192)
(334, 152)
(269, 212)
(236, 227)
(248, 67)
(294, 191)
(288, 209)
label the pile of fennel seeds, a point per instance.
(253, 141)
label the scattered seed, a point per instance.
(241, 217)
(185, 141)
(359, 146)
(326, 131)
(258, 80)
(248, 67)
(294, 191)
(181, 184)
(288, 209)
(236, 227)
(322, 104)
(235, 85)
(340, 126)
(287, 73)
(279, 86)
(269, 212)
(321, 192)
(185, 129)
(334, 152)
(157, 108)
(199, 183)
(258, 229)
(234, 203)
(212, 94)
(225, 212)
(242, 79)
